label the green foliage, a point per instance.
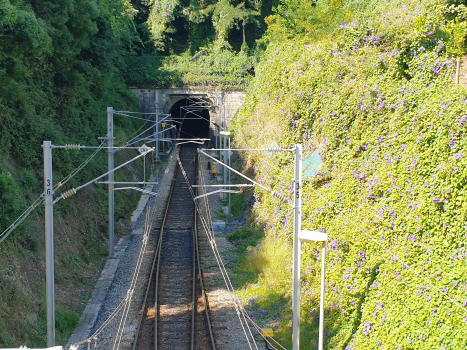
(144, 71)
(10, 203)
(247, 234)
(225, 16)
(61, 65)
(65, 323)
(375, 95)
(223, 69)
(198, 43)
(167, 17)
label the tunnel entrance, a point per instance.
(192, 117)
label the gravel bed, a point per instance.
(227, 329)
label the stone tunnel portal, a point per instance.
(192, 117)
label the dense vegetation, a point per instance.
(60, 67)
(368, 83)
(208, 43)
(371, 85)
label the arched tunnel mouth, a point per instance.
(191, 117)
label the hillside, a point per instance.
(370, 84)
(60, 64)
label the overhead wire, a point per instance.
(225, 276)
(134, 280)
(260, 331)
(142, 113)
(124, 141)
(79, 168)
(209, 220)
(73, 190)
(133, 141)
(40, 199)
(122, 305)
(20, 219)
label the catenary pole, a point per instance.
(157, 127)
(228, 158)
(110, 152)
(321, 302)
(224, 157)
(216, 132)
(296, 249)
(49, 243)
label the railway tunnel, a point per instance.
(181, 103)
(192, 117)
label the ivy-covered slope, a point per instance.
(370, 84)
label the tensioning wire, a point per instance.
(220, 263)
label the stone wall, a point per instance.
(168, 97)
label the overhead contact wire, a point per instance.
(219, 260)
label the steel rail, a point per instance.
(203, 293)
(156, 259)
(195, 255)
(155, 274)
(159, 249)
(193, 293)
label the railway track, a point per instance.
(175, 312)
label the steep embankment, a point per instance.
(371, 85)
(59, 70)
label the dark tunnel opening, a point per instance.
(192, 116)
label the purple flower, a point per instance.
(459, 155)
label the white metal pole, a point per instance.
(216, 131)
(49, 243)
(321, 305)
(224, 158)
(228, 160)
(296, 249)
(157, 126)
(110, 152)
